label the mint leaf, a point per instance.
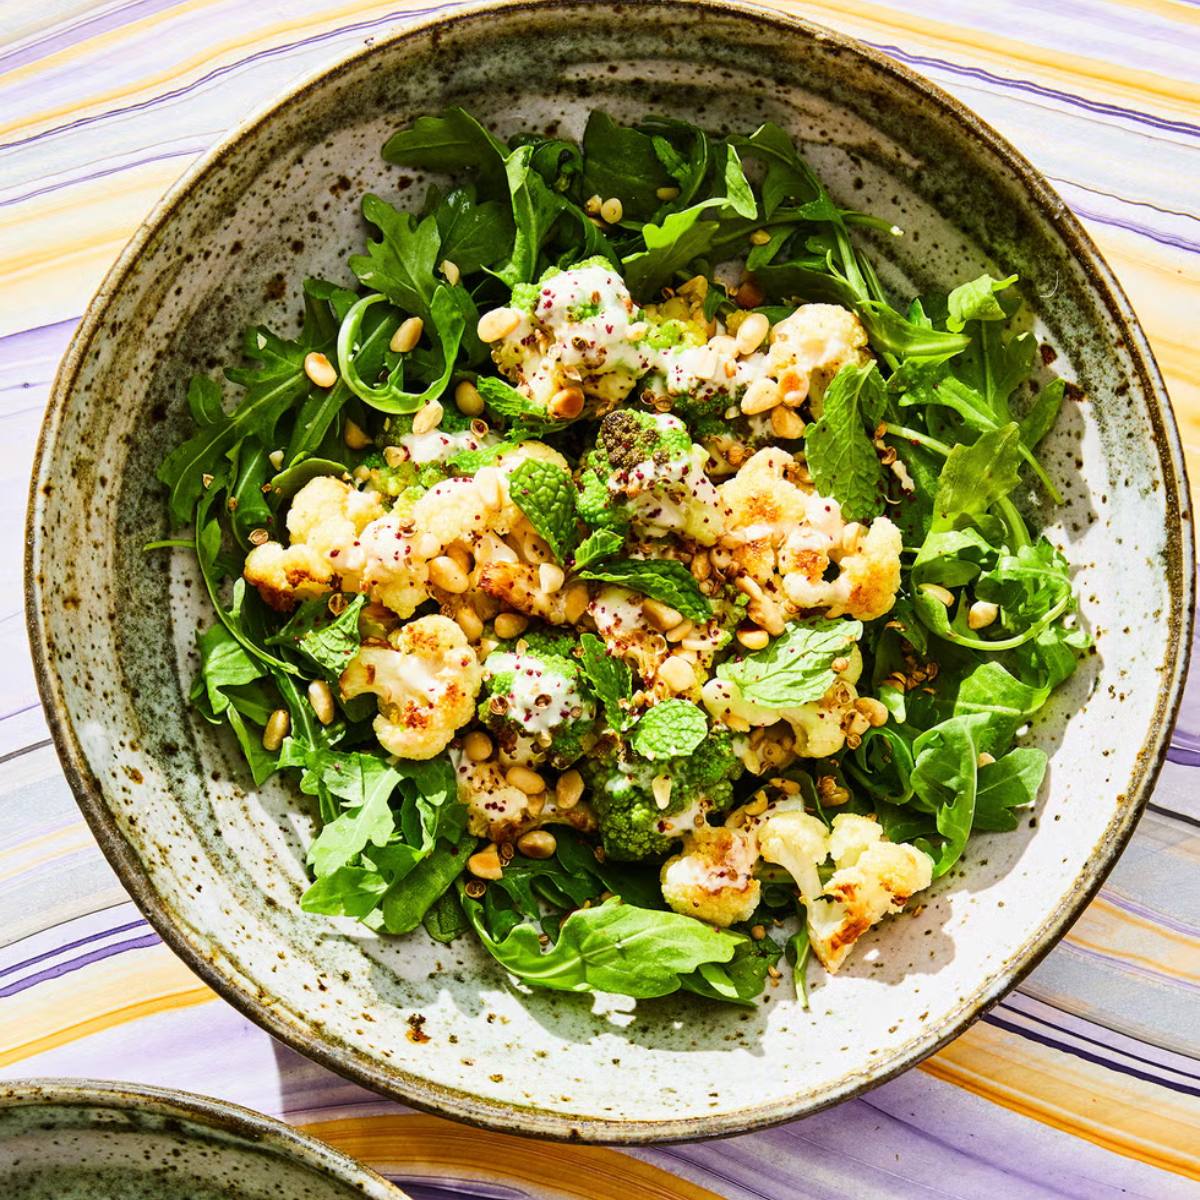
(976, 301)
(545, 494)
(976, 476)
(330, 642)
(601, 544)
(797, 667)
(668, 730)
(660, 579)
(611, 680)
(838, 448)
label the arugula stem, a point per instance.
(1017, 529)
(921, 439)
(170, 544)
(1016, 640)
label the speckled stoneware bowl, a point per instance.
(217, 866)
(80, 1139)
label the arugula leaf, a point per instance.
(473, 235)
(611, 680)
(612, 947)
(409, 901)
(453, 141)
(535, 209)
(204, 401)
(838, 449)
(798, 951)
(946, 777)
(975, 477)
(797, 667)
(346, 892)
(671, 729)
(670, 247)
(402, 264)
(545, 493)
(1008, 783)
(660, 579)
(603, 543)
(1042, 414)
(328, 641)
(952, 557)
(444, 919)
(742, 978)
(366, 782)
(289, 481)
(976, 301)
(620, 161)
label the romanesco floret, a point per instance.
(536, 707)
(644, 807)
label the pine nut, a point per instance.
(661, 616)
(445, 573)
(319, 369)
(939, 593)
(567, 404)
(550, 577)
(486, 864)
(760, 237)
(530, 782)
(535, 549)
(752, 332)
(352, 435)
(981, 614)
(786, 424)
(537, 843)
(427, 545)
(874, 710)
(407, 335)
(592, 205)
(490, 483)
(477, 746)
(611, 211)
(510, 625)
(666, 193)
(984, 759)
(497, 324)
(677, 673)
(468, 399)
(660, 786)
(450, 272)
(395, 456)
(258, 537)
(576, 602)
(321, 699)
(568, 790)
(275, 458)
(427, 419)
(753, 639)
(677, 633)
(470, 623)
(750, 587)
(277, 727)
(795, 396)
(761, 396)
(461, 555)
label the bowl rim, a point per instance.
(528, 1119)
(221, 1115)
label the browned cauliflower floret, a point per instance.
(809, 347)
(286, 575)
(713, 878)
(502, 812)
(426, 680)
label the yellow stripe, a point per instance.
(1134, 1119)
(39, 851)
(416, 1145)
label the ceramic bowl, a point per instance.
(217, 865)
(80, 1139)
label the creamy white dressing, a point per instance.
(539, 700)
(437, 445)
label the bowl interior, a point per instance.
(80, 1141)
(219, 864)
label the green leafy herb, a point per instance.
(976, 301)
(610, 677)
(976, 476)
(660, 579)
(797, 667)
(328, 641)
(603, 543)
(671, 729)
(838, 447)
(545, 494)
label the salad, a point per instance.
(624, 577)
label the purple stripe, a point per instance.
(192, 152)
(60, 969)
(83, 941)
(1165, 239)
(73, 34)
(219, 72)
(58, 329)
(1037, 89)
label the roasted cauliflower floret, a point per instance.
(287, 575)
(501, 812)
(426, 680)
(809, 347)
(713, 878)
(622, 624)
(872, 876)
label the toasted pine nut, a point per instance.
(394, 456)
(319, 369)
(550, 577)
(470, 622)
(427, 545)
(428, 418)
(275, 458)
(786, 424)
(277, 727)
(753, 638)
(750, 587)
(445, 573)
(760, 237)
(761, 396)
(666, 193)
(984, 759)
(510, 625)
(537, 843)
(661, 616)
(352, 435)
(477, 746)
(461, 555)
(566, 404)
(568, 790)
(874, 710)
(981, 614)
(486, 864)
(611, 211)
(407, 335)
(490, 482)
(592, 205)
(939, 593)
(576, 603)
(497, 324)
(752, 332)
(321, 699)
(661, 788)
(534, 548)
(468, 399)
(678, 632)
(530, 782)
(450, 272)
(677, 673)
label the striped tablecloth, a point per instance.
(1084, 1083)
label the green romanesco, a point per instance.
(644, 807)
(535, 705)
